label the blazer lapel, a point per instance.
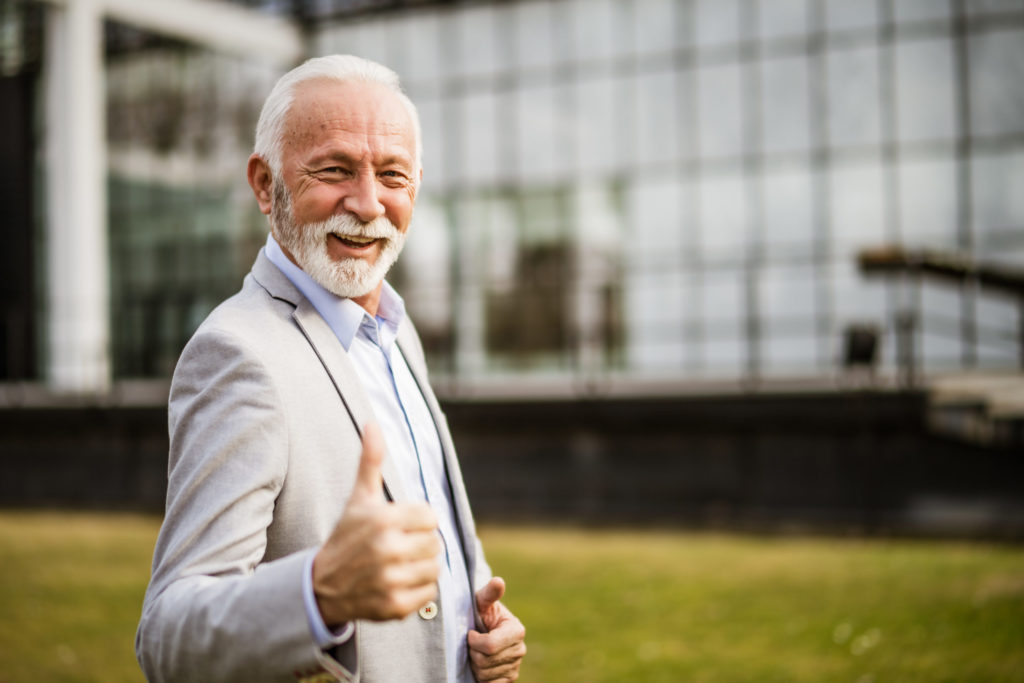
(333, 357)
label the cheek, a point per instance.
(399, 210)
(315, 205)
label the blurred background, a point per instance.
(723, 299)
(716, 262)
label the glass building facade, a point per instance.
(664, 190)
(679, 189)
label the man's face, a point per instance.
(344, 197)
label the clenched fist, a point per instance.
(380, 561)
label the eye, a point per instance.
(394, 177)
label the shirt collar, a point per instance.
(345, 317)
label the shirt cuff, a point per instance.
(324, 637)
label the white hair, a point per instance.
(344, 68)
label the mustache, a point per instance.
(347, 224)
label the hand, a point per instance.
(497, 654)
(380, 561)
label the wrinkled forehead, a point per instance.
(323, 107)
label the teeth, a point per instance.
(358, 240)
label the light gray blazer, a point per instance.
(264, 416)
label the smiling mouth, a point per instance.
(354, 241)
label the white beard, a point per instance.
(348, 277)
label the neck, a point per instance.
(371, 300)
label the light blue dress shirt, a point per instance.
(412, 441)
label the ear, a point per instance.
(261, 180)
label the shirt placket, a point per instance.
(434, 497)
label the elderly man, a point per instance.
(317, 525)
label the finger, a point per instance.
(503, 667)
(508, 671)
(507, 634)
(399, 604)
(510, 655)
(490, 594)
(407, 546)
(412, 575)
(414, 517)
(369, 486)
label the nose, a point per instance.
(362, 200)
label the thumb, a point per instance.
(369, 486)
(490, 594)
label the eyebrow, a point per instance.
(337, 155)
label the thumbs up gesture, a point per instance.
(495, 655)
(380, 561)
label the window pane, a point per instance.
(997, 82)
(479, 163)
(419, 45)
(789, 351)
(921, 10)
(929, 202)
(597, 214)
(722, 297)
(999, 320)
(998, 201)
(782, 18)
(718, 22)
(655, 231)
(723, 215)
(924, 79)
(939, 350)
(983, 7)
(787, 292)
(857, 298)
(476, 47)
(843, 14)
(940, 326)
(785, 105)
(595, 125)
(377, 42)
(544, 133)
(657, 120)
(500, 236)
(594, 31)
(720, 114)
(858, 213)
(723, 348)
(654, 25)
(534, 37)
(854, 111)
(654, 302)
(788, 210)
(435, 165)
(426, 264)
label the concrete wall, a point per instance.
(833, 462)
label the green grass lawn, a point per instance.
(598, 605)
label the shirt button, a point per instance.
(428, 611)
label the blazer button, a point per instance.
(428, 611)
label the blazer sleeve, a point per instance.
(214, 611)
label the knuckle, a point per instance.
(392, 577)
(395, 607)
(433, 568)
